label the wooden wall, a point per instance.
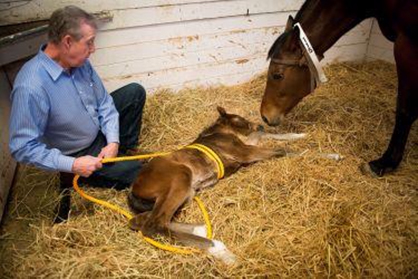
(379, 47)
(178, 43)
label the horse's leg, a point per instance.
(406, 56)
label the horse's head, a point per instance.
(232, 123)
(289, 76)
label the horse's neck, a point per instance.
(324, 22)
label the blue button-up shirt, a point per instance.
(55, 113)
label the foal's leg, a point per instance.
(196, 229)
(166, 205)
(406, 55)
(254, 138)
(252, 154)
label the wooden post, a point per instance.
(7, 164)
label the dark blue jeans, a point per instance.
(129, 101)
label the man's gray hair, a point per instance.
(67, 21)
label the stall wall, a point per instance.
(177, 43)
(379, 47)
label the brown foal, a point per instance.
(167, 182)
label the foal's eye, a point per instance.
(277, 76)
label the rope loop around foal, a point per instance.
(186, 251)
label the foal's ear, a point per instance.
(221, 111)
(290, 23)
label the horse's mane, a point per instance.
(305, 6)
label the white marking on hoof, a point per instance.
(200, 231)
(220, 252)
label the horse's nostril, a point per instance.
(265, 119)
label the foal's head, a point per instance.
(288, 79)
(236, 124)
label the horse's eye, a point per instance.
(277, 76)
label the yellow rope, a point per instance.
(204, 149)
(212, 155)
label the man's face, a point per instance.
(78, 51)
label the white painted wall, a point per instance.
(379, 47)
(178, 43)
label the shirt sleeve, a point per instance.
(108, 115)
(28, 119)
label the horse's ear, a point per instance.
(293, 43)
(221, 111)
(296, 32)
(290, 23)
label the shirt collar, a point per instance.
(53, 68)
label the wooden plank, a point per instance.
(7, 164)
(202, 73)
(21, 49)
(181, 46)
(193, 12)
(378, 53)
(196, 74)
(235, 46)
(379, 47)
(113, 38)
(134, 13)
(121, 37)
(12, 12)
(352, 52)
(379, 40)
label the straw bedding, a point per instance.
(291, 217)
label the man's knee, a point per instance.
(137, 92)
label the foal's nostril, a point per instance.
(265, 120)
(260, 128)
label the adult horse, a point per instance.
(294, 70)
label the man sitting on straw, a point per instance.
(62, 117)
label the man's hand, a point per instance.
(86, 165)
(109, 151)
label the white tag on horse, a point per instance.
(311, 53)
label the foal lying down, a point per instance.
(167, 182)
